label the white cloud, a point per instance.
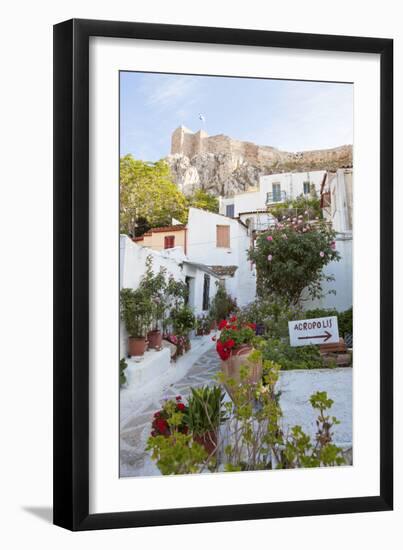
(170, 91)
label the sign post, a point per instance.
(308, 332)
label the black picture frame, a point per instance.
(71, 274)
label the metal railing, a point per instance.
(276, 196)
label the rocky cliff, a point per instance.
(223, 166)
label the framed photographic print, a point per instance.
(223, 240)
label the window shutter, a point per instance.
(169, 242)
(223, 236)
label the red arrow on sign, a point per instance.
(326, 336)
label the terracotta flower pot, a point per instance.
(208, 440)
(155, 339)
(137, 346)
(239, 356)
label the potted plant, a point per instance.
(234, 345)
(222, 305)
(160, 424)
(154, 286)
(204, 416)
(183, 321)
(199, 325)
(135, 312)
(203, 325)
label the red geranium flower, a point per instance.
(161, 425)
(178, 398)
(222, 324)
(252, 326)
(180, 406)
(230, 343)
(222, 351)
(233, 319)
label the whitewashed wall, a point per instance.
(343, 283)
(132, 268)
(291, 182)
(202, 248)
(133, 263)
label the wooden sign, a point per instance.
(306, 332)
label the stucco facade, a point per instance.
(337, 199)
(273, 189)
(202, 248)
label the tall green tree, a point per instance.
(148, 193)
(205, 201)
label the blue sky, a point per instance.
(289, 115)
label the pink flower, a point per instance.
(285, 236)
(306, 212)
(303, 229)
(270, 257)
(333, 245)
(284, 217)
(321, 254)
(269, 238)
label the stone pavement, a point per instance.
(296, 387)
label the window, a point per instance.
(230, 210)
(307, 187)
(169, 242)
(206, 292)
(276, 189)
(223, 236)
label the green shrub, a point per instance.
(222, 305)
(183, 320)
(273, 313)
(345, 318)
(290, 258)
(291, 358)
(135, 311)
(122, 368)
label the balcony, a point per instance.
(275, 196)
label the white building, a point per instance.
(222, 244)
(251, 206)
(216, 253)
(335, 192)
(336, 196)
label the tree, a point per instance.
(205, 201)
(307, 205)
(291, 256)
(148, 193)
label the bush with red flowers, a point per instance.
(233, 334)
(161, 424)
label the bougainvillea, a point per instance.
(290, 257)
